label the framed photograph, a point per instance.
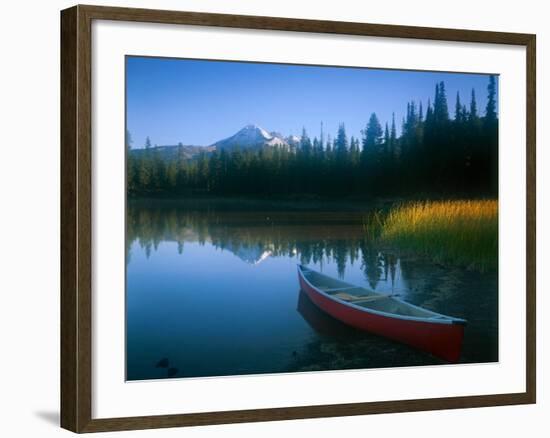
(269, 218)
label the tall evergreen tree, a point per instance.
(341, 142)
(145, 169)
(305, 143)
(490, 134)
(131, 168)
(316, 146)
(386, 138)
(128, 139)
(473, 107)
(372, 134)
(393, 132)
(371, 155)
(458, 109)
(490, 110)
(429, 112)
(329, 146)
(441, 109)
(354, 150)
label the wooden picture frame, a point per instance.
(76, 217)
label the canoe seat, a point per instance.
(357, 298)
(334, 289)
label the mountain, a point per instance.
(251, 137)
(253, 255)
(293, 140)
(172, 152)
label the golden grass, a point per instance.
(464, 232)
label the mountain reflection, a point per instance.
(317, 237)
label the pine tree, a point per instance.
(393, 134)
(386, 138)
(129, 141)
(352, 145)
(490, 135)
(372, 134)
(436, 102)
(316, 146)
(473, 107)
(441, 109)
(415, 119)
(458, 109)
(171, 175)
(341, 143)
(429, 113)
(354, 150)
(490, 110)
(131, 168)
(329, 146)
(305, 143)
(145, 169)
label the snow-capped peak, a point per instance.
(255, 130)
(251, 136)
(293, 140)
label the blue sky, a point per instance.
(200, 102)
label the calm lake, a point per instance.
(212, 290)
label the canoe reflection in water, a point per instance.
(322, 322)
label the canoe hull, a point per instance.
(440, 339)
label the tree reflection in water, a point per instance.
(314, 236)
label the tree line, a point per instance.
(434, 154)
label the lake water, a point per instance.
(212, 290)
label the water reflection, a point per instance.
(214, 289)
(318, 238)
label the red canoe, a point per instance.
(385, 315)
